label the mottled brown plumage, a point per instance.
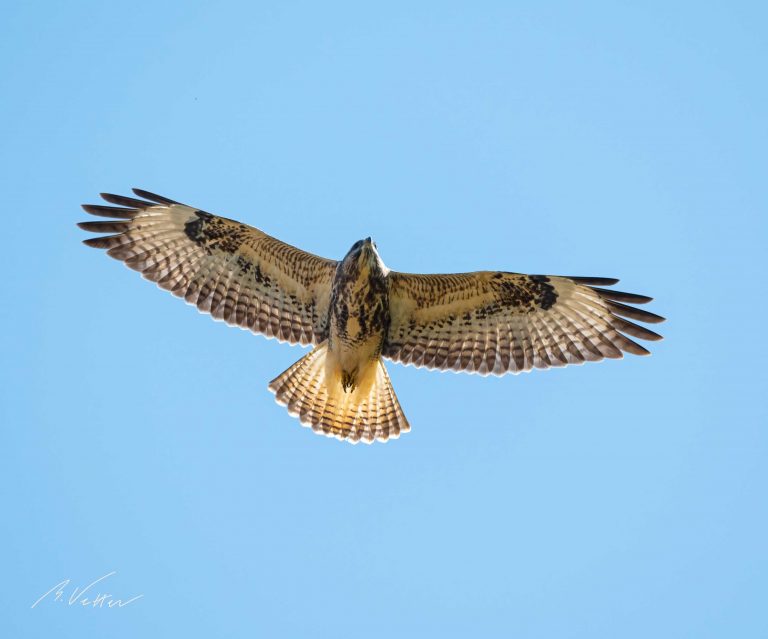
(232, 271)
(356, 311)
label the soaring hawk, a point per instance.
(356, 311)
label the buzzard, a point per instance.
(356, 312)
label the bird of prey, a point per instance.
(356, 312)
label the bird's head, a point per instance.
(363, 256)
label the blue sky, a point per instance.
(625, 499)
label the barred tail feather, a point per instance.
(302, 389)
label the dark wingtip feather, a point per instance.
(104, 227)
(109, 211)
(595, 281)
(634, 313)
(636, 331)
(154, 197)
(620, 296)
(630, 346)
(125, 201)
(103, 242)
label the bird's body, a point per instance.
(356, 311)
(358, 320)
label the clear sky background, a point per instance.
(625, 499)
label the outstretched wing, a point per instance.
(490, 322)
(231, 270)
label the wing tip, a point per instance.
(153, 197)
(621, 296)
(102, 242)
(624, 310)
(123, 200)
(100, 210)
(596, 281)
(635, 349)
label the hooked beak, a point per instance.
(367, 246)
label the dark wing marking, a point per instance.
(492, 322)
(233, 271)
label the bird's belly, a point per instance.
(351, 366)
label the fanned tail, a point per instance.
(348, 416)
